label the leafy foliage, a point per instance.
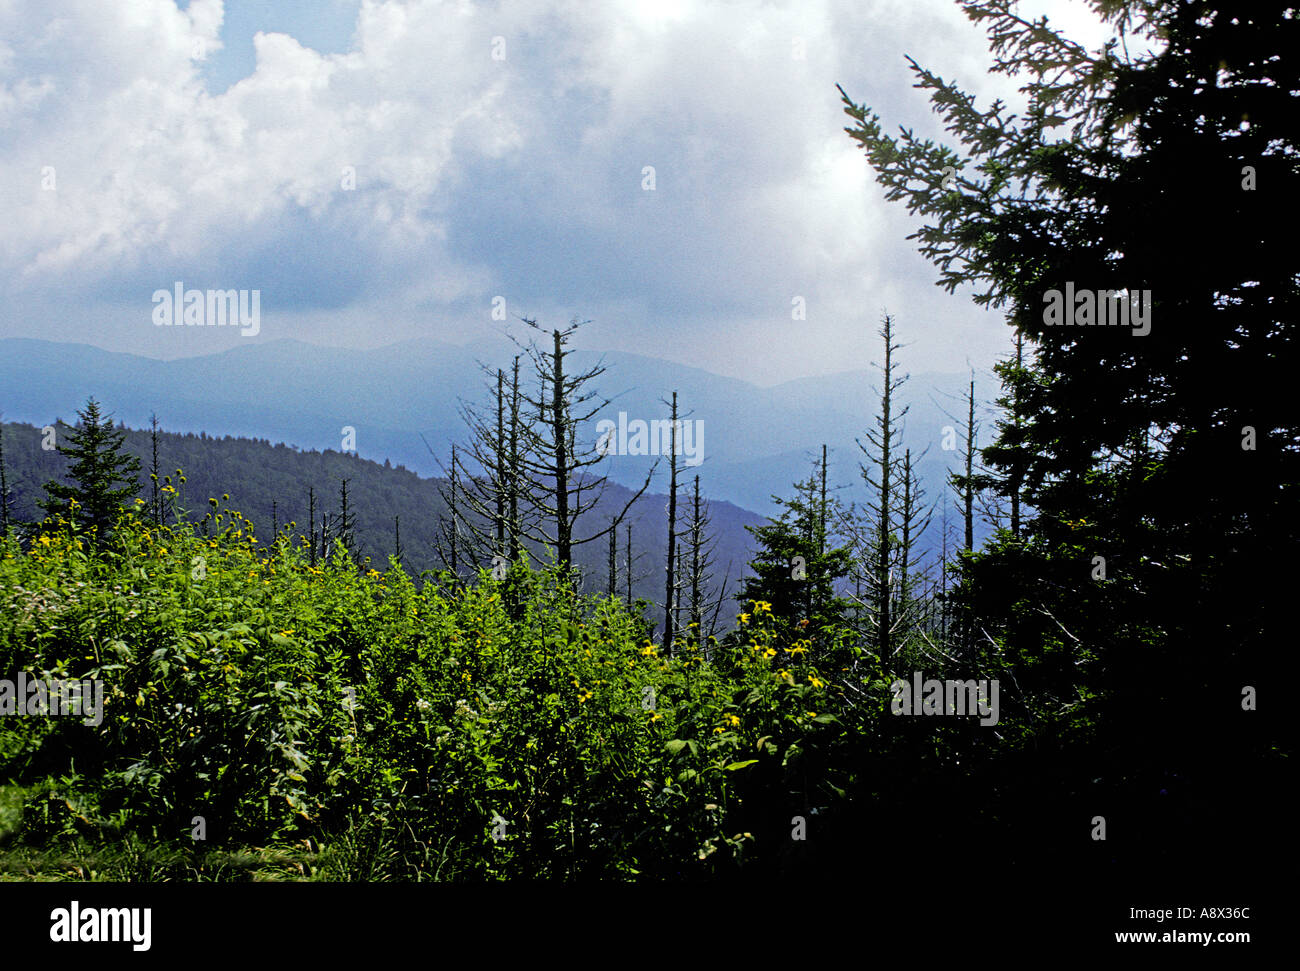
(284, 702)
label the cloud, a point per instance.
(494, 149)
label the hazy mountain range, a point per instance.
(755, 440)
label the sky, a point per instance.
(675, 172)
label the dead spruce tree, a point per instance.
(671, 566)
(559, 483)
(698, 551)
(882, 472)
(448, 541)
(489, 474)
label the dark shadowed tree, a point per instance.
(1157, 450)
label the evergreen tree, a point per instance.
(1008, 457)
(155, 499)
(1159, 455)
(797, 572)
(94, 447)
(311, 522)
(345, 530)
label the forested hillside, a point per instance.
(269, 482)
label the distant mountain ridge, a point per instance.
(757, 440)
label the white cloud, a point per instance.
(760, 196)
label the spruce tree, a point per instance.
(1157, 457)
(155, 499)
(99, 464)
(796, 573)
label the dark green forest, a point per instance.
(276, 485)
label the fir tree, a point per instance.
(94, 448)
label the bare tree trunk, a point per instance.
(671, 581)
(156, 502)
(612, 587)
(501, 463)
(821, 542)
(516, 539)
(564, 536)
(697, 543)
(1015, 417)
(4, 485)
(629, 566)
(969, 497)
(883, 633)
(904, 591)
(455, 516)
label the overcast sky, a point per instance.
(499, 150)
